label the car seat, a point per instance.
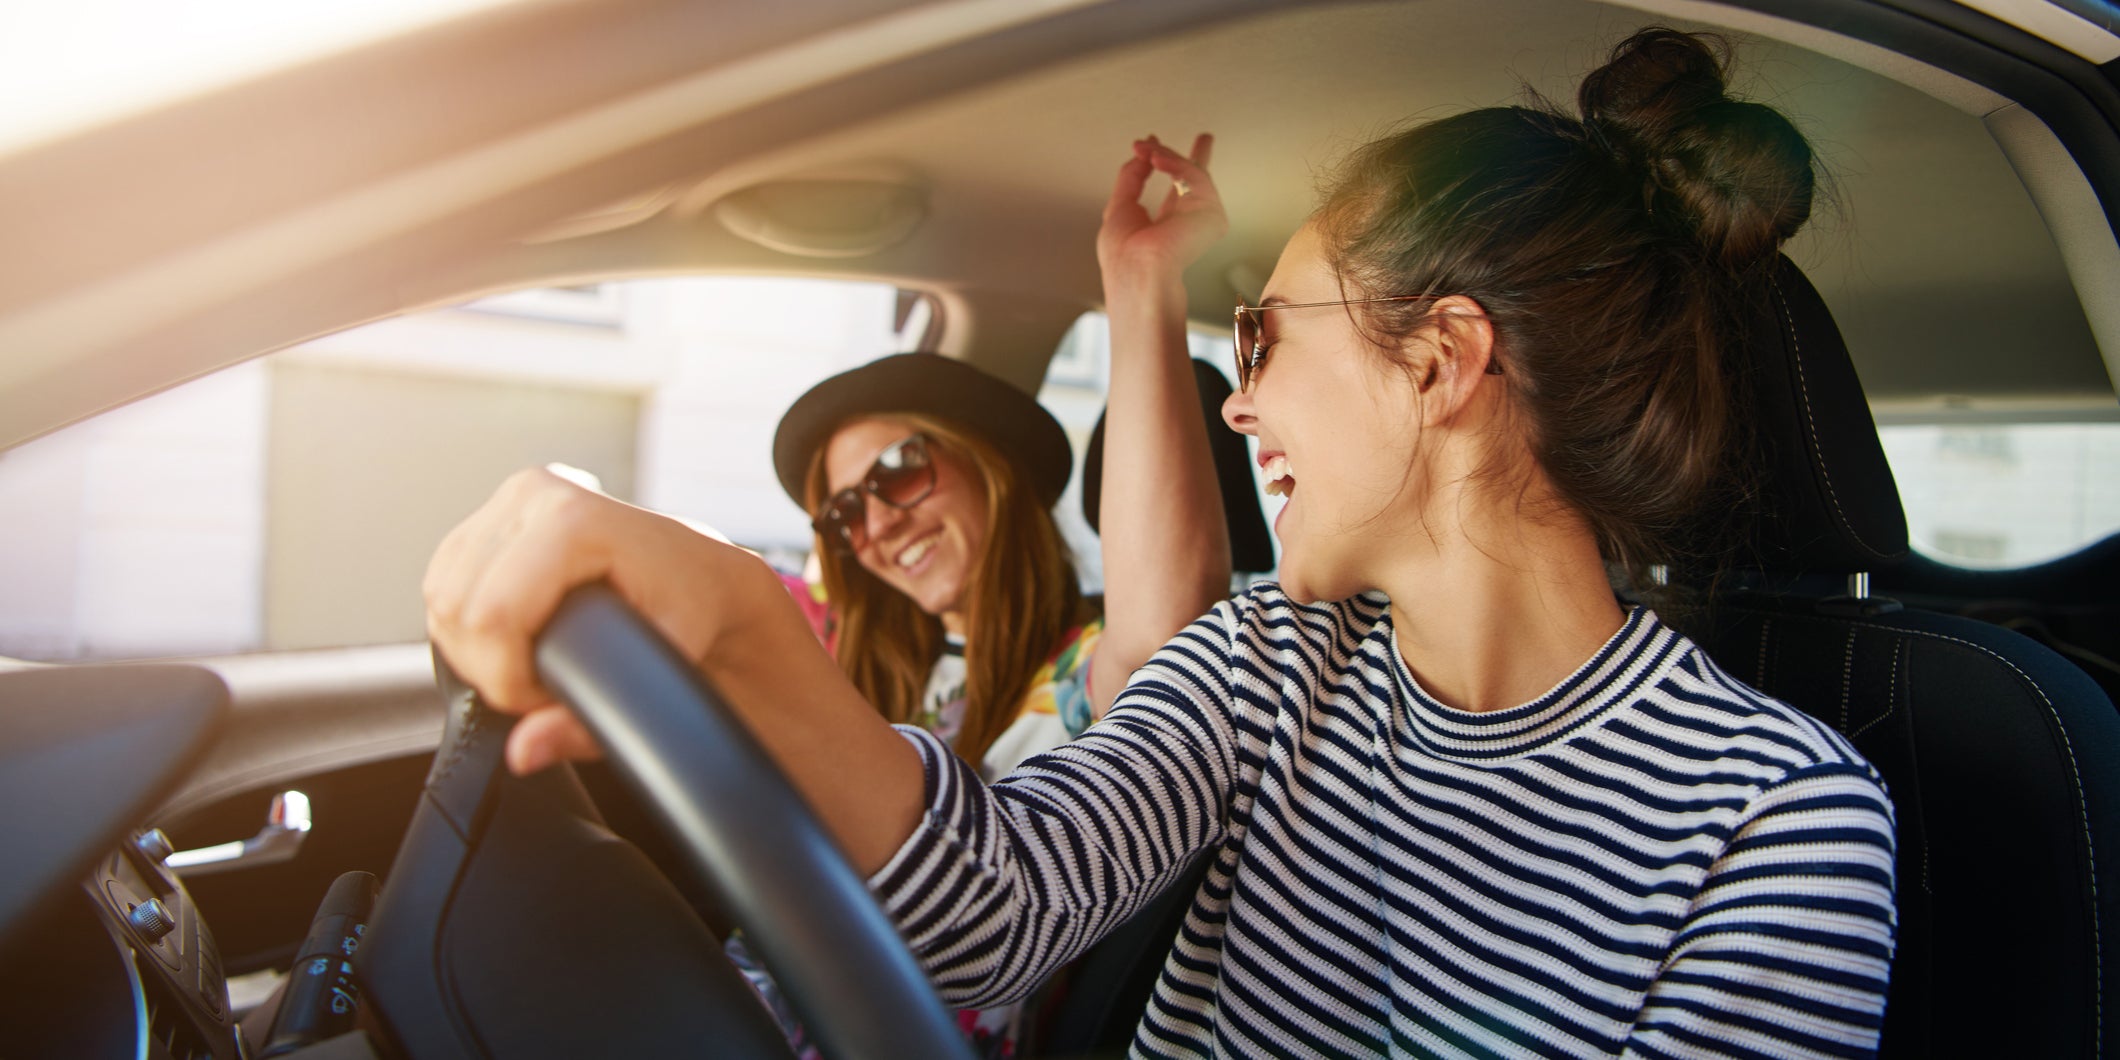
(2070, 604)
(2002, 758)
(1250, 545)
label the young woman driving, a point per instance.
(1469, 804)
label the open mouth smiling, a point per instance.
(1279, 482)
(912, 554)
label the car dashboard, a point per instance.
(103, 953)
(122, 967)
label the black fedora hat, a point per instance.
(933, 385)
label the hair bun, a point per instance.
(1738, 173)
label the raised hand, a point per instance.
(1165, 543)
(1135, 243)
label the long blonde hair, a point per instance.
(1022, 598)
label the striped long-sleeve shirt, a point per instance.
(1652, 859)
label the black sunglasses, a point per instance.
(1251, 353)
(902, 476)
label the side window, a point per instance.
(1076, 383)
(1994, 495)
(292, 501)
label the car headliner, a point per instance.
(554, 142)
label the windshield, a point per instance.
(291, 502)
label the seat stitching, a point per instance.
(1766, 634)
(1803, 391)
(2084, 818)
(1891, 692)
(1891, 707)
(1847, 677)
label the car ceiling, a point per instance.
(1934, 259)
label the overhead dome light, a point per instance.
(824, 218)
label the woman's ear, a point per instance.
(1459, 342)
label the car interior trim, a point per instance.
(2074, 98)
(133, 303)
(290, 712)
(2096, 12)
(1940, 84)
(2073, 101)
(2055, 24)
(1973, 410)
(436, 212)
(2081, 227)
(2073, 216)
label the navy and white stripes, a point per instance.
(1652, 859)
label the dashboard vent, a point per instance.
(170, 1026)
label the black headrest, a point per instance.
(1827, 501)
(1250, 547)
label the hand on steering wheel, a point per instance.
(599, 622)
(497, 578)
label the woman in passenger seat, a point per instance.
(950, 598)
(1458, 798)
(948, 594)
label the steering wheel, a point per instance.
(737, 821)
(741, 824)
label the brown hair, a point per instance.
(1023, 596)
(1613, 252)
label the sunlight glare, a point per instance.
(68, 66)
